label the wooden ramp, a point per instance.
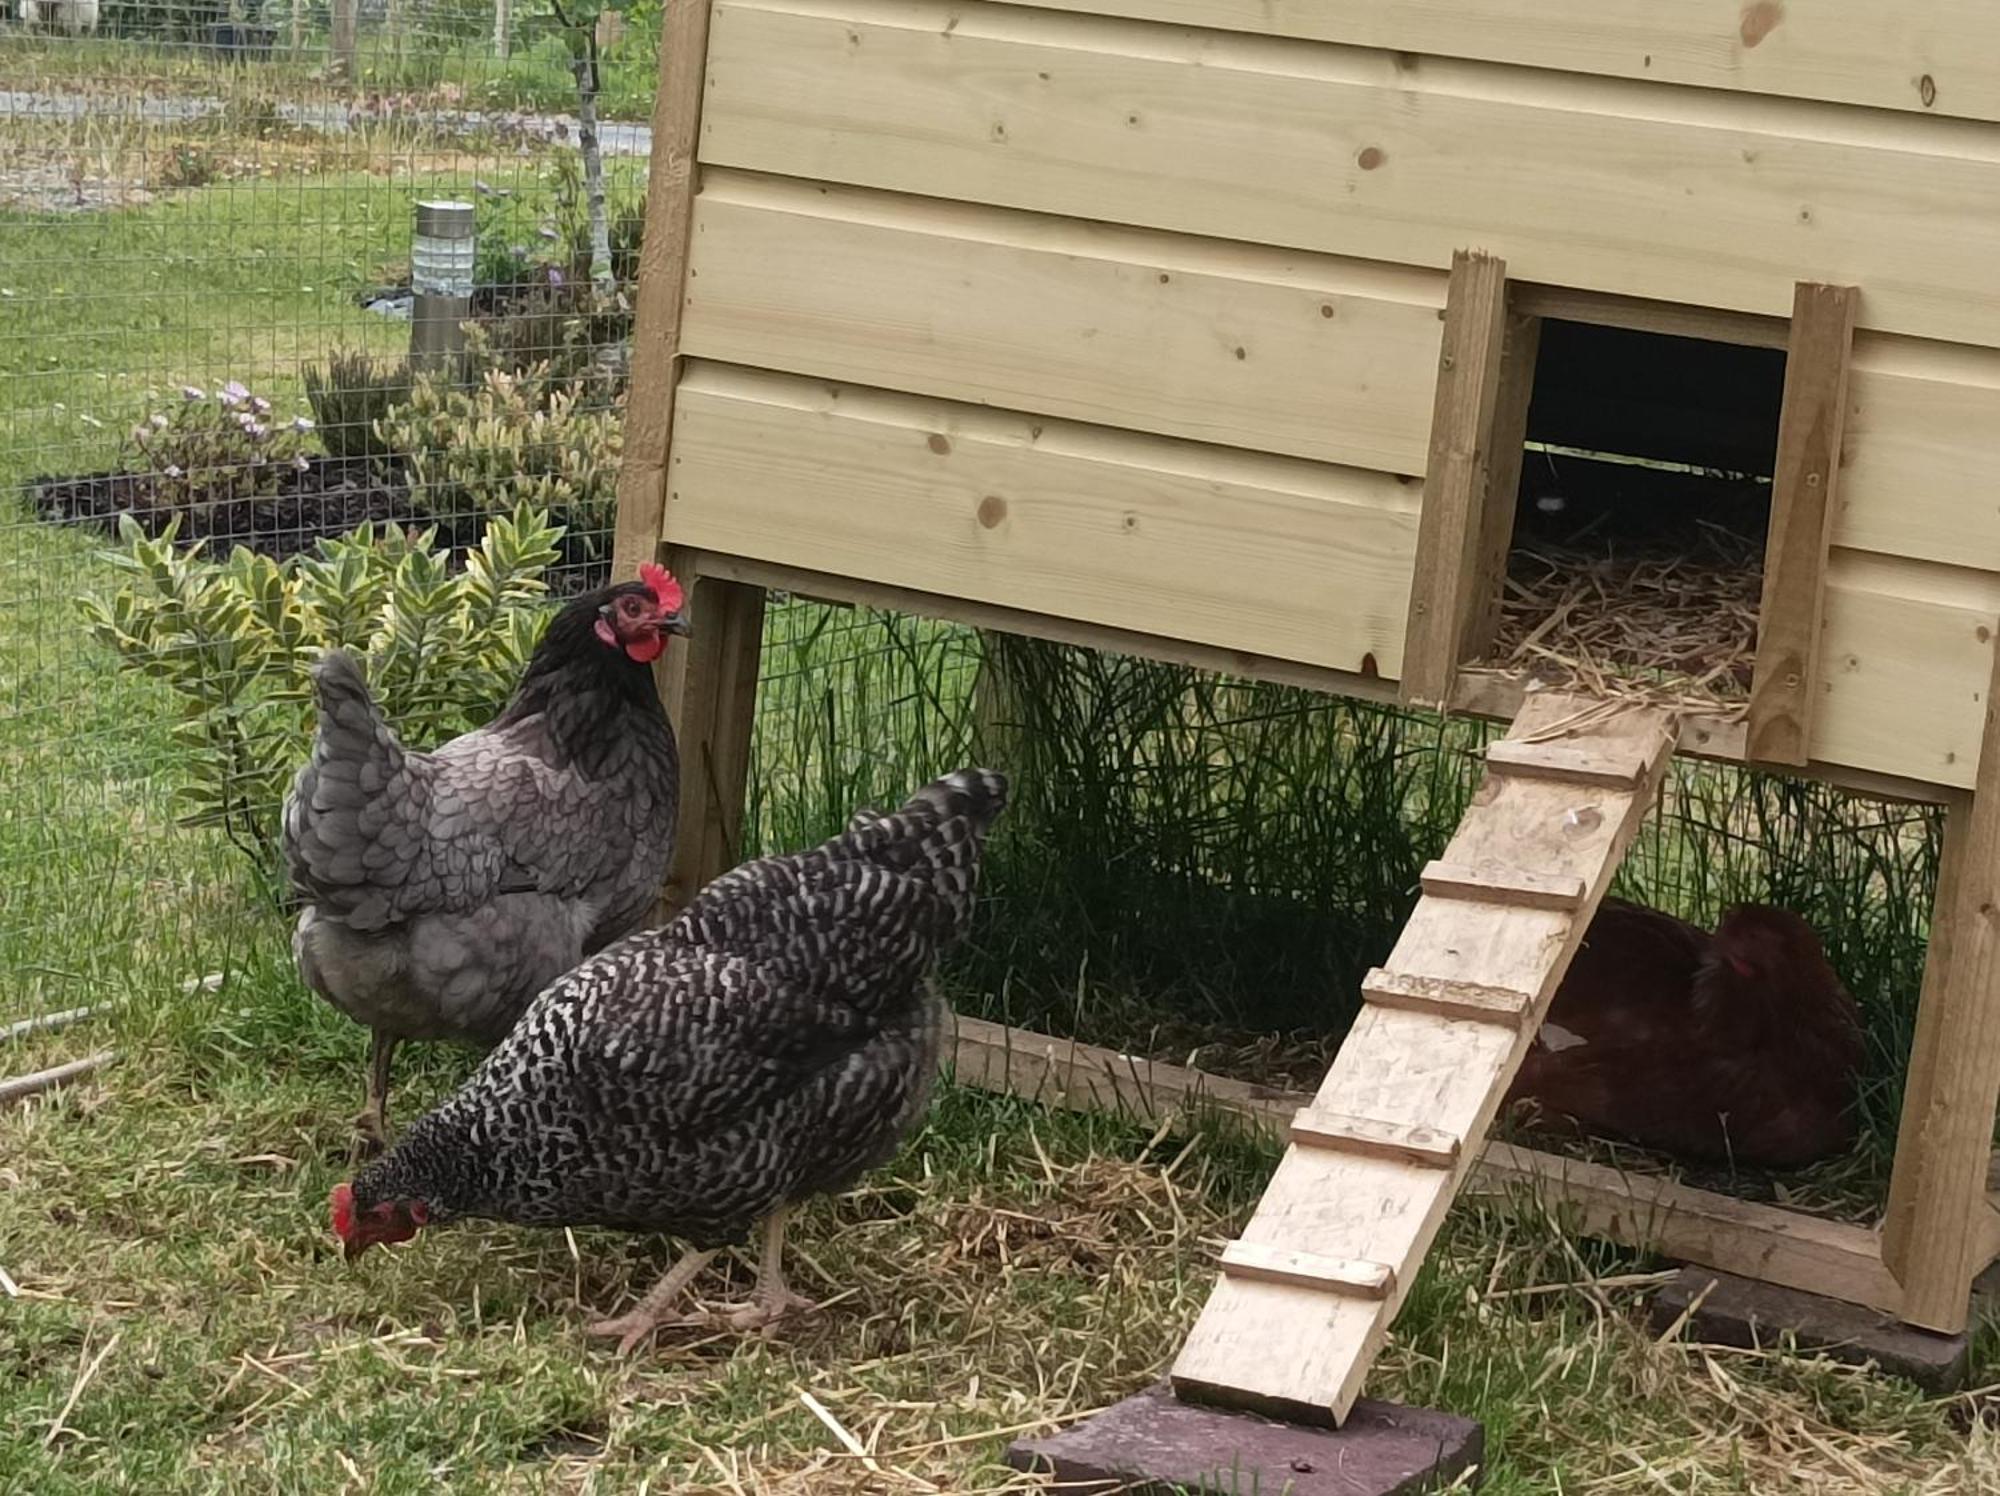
(1305, 1298)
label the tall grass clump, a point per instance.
(1196, 864)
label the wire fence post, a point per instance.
(340, 44)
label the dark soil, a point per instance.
(331, 498)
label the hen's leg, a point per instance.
(651, 1311)
(371, 1124)
(771, 1299)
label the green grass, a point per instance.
(1192, 864)
(437, 70)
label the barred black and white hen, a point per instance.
(774, 1042)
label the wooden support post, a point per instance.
(1785, 687)
(1448, 532)
(1503, 483)
(1935, 1236)
(709, 684)
(656, 338)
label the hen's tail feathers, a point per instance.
(940, 831)
(351, 726)
(977, 794)
(355, 758)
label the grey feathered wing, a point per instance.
(376, 834)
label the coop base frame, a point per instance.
(1942, 1225)
(1645, 1212)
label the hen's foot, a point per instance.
(651, 1312)
(371, 1135)
(765, 1308)
(633, 1329)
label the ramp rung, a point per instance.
(1566, 762)
(1504, 885)
(1444, 997)
(1341, 1275)
(1405, 1142)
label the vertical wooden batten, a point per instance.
(709, 684)
(1462, 422)
(1785, 686)
(1933, 1236)
(671, 182)
(1503, 483)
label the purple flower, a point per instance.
(299, 464)
(555, 276)
(159, 421)
(302, 424)
(189, 392)
(173, 471)
(259, 404)
(232, 394)
(257, 429)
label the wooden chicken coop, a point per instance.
(1216, 331)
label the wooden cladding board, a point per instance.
(1928, 56)
(1921, 453)
(1905, 654)
(1239, 344)
(1245, 551)
(1677, 194)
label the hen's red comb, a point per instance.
(342, 1201)
(665, 589)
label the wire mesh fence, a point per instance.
(219, 329)
(211, 287)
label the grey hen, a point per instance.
(443, 890)
(774, 1042)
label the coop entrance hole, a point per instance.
(1641, 515)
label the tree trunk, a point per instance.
(593, 163)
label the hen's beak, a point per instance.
(675, 623)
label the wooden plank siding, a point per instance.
(1275, 350)
(1677, 194)
(1904, 659)
(1027, 299)
(1921, 453)
(1939, 57)
(1245, 551)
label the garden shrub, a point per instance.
(349, 394)
(235, 641)
(219, 447)
(561, 335)
(510, 440)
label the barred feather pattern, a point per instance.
(774, 1042)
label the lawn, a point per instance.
(173, 1316)
(441, 67)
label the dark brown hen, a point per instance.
(443, 890)
(772, 1043)
(1738, 1047)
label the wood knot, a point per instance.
(992, 510)
(1760, 20)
